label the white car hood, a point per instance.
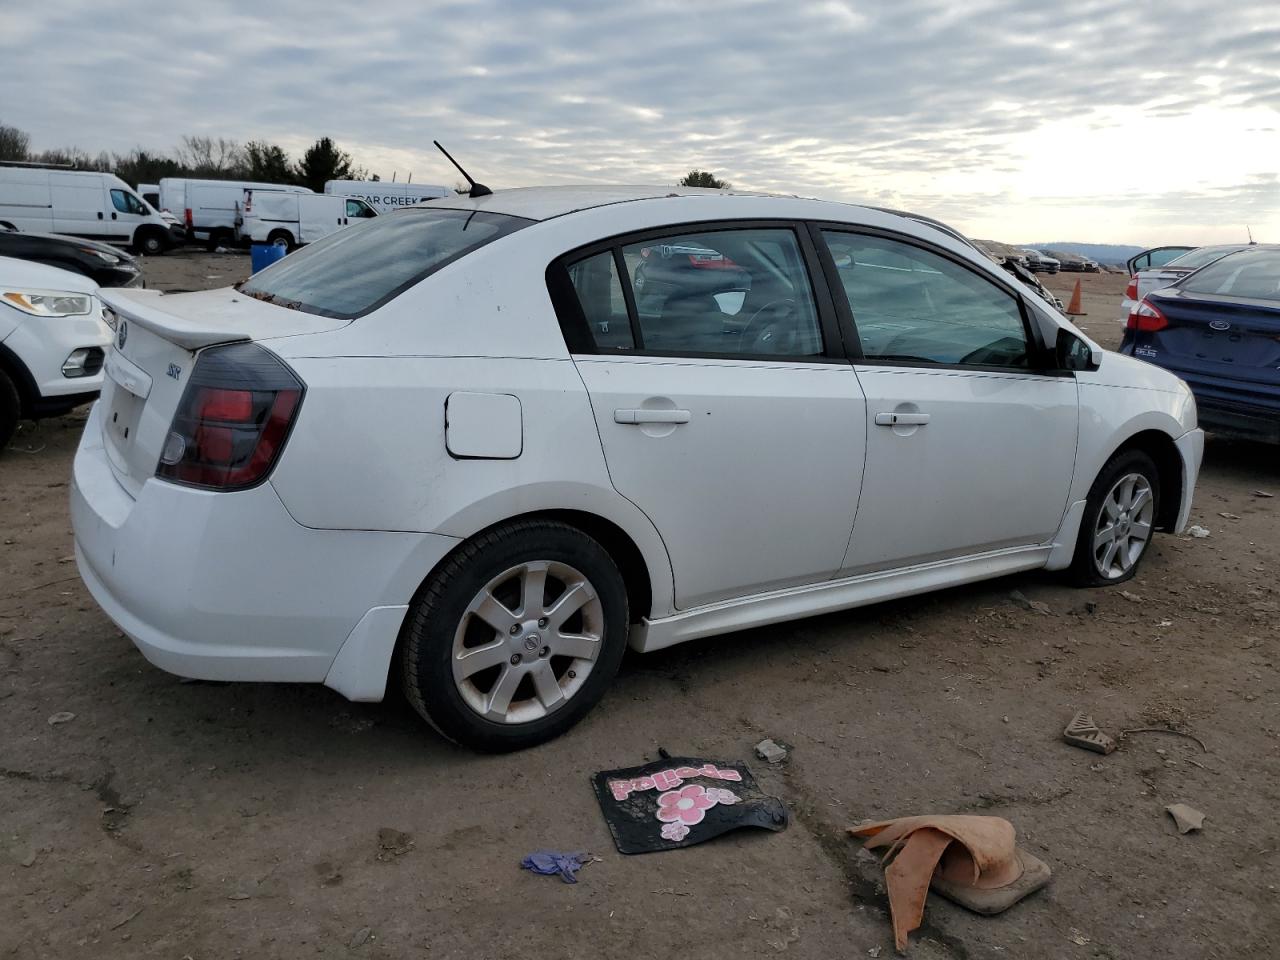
(24, 275)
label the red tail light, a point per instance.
(187, 216)
(1131, 291)
(1146, 318)
(233, 420)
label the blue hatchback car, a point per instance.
(1219, 330)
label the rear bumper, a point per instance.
(228, 586)
(1236, 420)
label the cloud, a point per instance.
(944, 107)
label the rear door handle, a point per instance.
(901, 419)
(650, 416)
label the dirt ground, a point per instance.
(187, 820)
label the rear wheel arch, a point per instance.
(617, 543)
(1162, 450)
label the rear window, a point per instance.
(1198, 258)
(361, 267)
(1254, 274)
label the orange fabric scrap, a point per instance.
(977, 852)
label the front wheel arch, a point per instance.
(1160, 447)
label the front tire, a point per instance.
(149, 242)
(1119, 520)
(516, 637)
(10, 409)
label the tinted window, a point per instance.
(357, 209)
(604, 305)
(127, 202)
(731, 292)
(915, 306)
(355, 270)
(1250, 273)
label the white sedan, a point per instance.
(462, 439)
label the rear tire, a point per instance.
(535, 668)
(219, 238)
(10, 409)
(281, 238)
(1119, 521)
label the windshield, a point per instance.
(1250, 273)
(1198, 258)
(361, 267)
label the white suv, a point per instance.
(460, 438)
(52, 342)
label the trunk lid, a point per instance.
(1149, 280)
(1220, 336)
(154, 346)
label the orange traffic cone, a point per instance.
(1073, 308)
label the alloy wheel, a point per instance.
(527, 642)
(1124, 526)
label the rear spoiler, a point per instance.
(142, 308)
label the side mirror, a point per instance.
(1072, 353)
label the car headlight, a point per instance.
(49, 303)
(100, 255)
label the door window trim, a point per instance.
(1039, 359)
(577, 332)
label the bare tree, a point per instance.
(14, 143)
(209, 157)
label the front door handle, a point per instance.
(901, 419)
(650, 416)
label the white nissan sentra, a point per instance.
(492, 441)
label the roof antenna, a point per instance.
(477, 189)
(1252, 241)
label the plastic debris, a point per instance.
(1197, 531)
(1229, 516)
(771, 752)
(548, 863)
(1018, 598)
(1131, 597)
(62, 716)
(1263, 494)
(1187, 818)
(360, 937)
(1083, 732)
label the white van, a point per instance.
(210, 207)
(385, 197)
(292, 219)
(82, 203)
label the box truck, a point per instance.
(385, 197)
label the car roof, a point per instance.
(544, 203)
(547, 203)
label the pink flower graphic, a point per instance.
(674, 831)
(721, 795)
(685, 806)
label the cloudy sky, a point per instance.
(1017, 120)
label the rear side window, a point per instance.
(361, 267)
(1252, 273)
(604, 305)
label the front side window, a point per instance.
(730, 292)
(357, 209)
(913, 306)
(358, 269)
(126, 202)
